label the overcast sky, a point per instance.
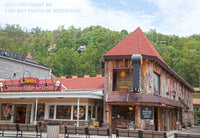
(179, 17)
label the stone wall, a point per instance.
(14, 69)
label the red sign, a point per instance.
(31, 88)
(31, 85)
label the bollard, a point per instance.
(87, 132)
(175, 135)
(140, 134)
(53, 130)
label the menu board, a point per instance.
(146, 112)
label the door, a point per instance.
(20, 113)
(156, 118)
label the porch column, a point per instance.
(36, 103)
(78, 113)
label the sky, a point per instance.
(171, 17)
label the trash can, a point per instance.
(53, 130)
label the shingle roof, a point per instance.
(135, 43)
(70, 83)
(83, 83)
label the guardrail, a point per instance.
(181, 135)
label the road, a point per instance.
(193, 130)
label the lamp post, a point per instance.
(46, 84)
(6, 86)
(24, 74)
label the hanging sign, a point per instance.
(81, 112)
(146, 112)
(28, 81)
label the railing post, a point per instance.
(175, 135)
(117, 133)
(165, 135)
(140, 134)
(152, 134)
(87, 132)
(108, 132)
(66, 132)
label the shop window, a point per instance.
(123, 112)
(89, 112)
(51, 111)
(156, 83)
(100, 113)
(174, 85)
(63, 112)
(40, 111)
(123, 80)
(28, 113)
(6, 111)
(81, 112)
(94, 112)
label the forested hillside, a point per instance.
(182, 54)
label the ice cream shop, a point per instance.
(75, 101)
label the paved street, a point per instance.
(193, 130)
(170, 134)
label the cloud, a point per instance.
(180, 17)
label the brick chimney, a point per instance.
(63, 77)
(86, 76)
(98, 75)
(74, 76)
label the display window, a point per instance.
(89, 112)
(123, 112)
(40, 111)
(100, 113)
(94, 112)
(51, 111)
(122, 80)
(6, 111)
(63, 112)
(82, 112)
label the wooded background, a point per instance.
(182, 54)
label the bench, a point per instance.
(139, 133)
(126, 133)
(20, 128)
(67, 130)
(182, 135)
(154, 134)
(99, 131)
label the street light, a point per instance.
(24, 74)
(46, 84)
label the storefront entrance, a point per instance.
(123, 116)
(156, 118)
(22, 113)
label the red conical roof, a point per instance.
(135, 43)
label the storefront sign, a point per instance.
(30, 85)
(28, 81)
(146, 112)
(31, 88)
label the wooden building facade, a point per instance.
(141, 91)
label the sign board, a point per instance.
(28, 81)
(146, 112)
(31, 84)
